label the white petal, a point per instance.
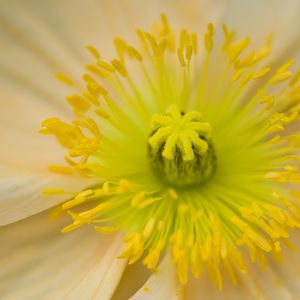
(162, 285)
(103, 278)
(38, 262)
(21, 194)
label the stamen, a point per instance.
(65, 79)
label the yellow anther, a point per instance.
(184, 39)
(289, 119)
(246, 61)
(260, 55)
(280, 77)
(60, 169)
(149, 227)
(230, 270)
(162, 46)
(55, 213)
(237, 75)
(72, 227)
(181, 57)
(196, 261)
(106, 66)
(229, 36)
(261, 73)
(240, 223)
(276, 128)
(165, 24)
(258, 240)
(65, 79)
(206, 249)
(101, 113)
(237, 259)
(135, 247)
(134, 53)
(208, 40)
(96, 71)
(236, 49)
(194, 41)
(277, 246)
(93, 86)
(285, 66)
(151, 260)
(289, 168)
(189, 52)
(121, 47)
(267, 99)
(247, 78)
(95, 211)
(153, 44)
(295, 79)
(275, 139)
(215, 275)
(119, 66)
(182, 270)
(148, 201)
(93, 51)
(92, 98)
(137, 199)
(79, 199)
(78, 103)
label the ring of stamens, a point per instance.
(248, 202)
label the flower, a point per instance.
(192, 151)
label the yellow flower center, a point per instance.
(139, 131)
(180, 147)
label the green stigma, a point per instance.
(180, 147)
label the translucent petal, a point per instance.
(37, 261)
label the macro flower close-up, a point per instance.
(150, 150)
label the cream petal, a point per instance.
(22, 147)
(103, 277)
(21, 194)
(161, 285)
(29, 93)
(38, 262)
